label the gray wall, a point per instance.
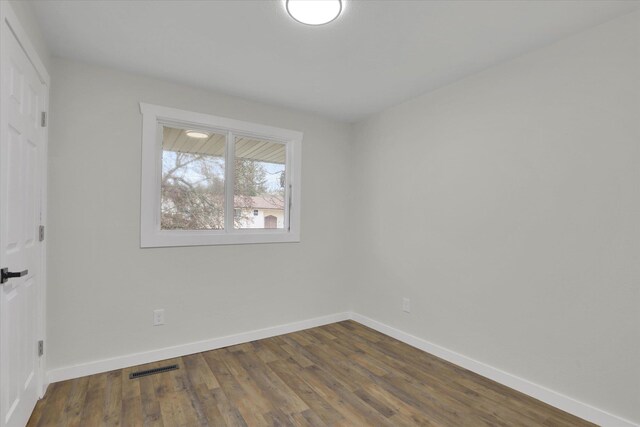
(506, 207)
(103, 287)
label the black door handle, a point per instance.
(6, 274)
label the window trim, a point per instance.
(153, 118)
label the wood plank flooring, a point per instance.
(343, 374)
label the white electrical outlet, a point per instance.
(158, 317)
(406, 305)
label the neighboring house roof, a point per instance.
(259, 202)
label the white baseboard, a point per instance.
(529, 388)
(104, 365)
(539, 392)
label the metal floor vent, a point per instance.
(146, 372)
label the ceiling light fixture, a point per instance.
(197, 134)
(314, 12)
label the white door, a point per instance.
(21, 161)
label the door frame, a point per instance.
(9, 19)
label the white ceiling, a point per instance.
(377, 54)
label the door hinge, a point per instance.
(40, 348)
(41, 233)
(43, 119)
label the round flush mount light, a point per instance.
(197, 134)
(314, 12)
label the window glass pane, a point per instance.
(259, 191)
(192, 186)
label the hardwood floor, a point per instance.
(343, 374)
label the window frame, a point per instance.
(154, 117)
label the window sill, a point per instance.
(177, 238)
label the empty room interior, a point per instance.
(320, 213)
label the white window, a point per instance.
(204, 177)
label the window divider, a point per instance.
(229, 183)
